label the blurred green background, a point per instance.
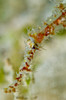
(17, 17)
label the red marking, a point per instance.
(11, 86)
(13, 90)
(22, 69)
(57, 21)
(30, 52)
(63, 13)
(38, 38)
(15, 84)
(27, 65)
(29, 59)
(49, 30)
(20, 75)
(18, 79)
(25, 68)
